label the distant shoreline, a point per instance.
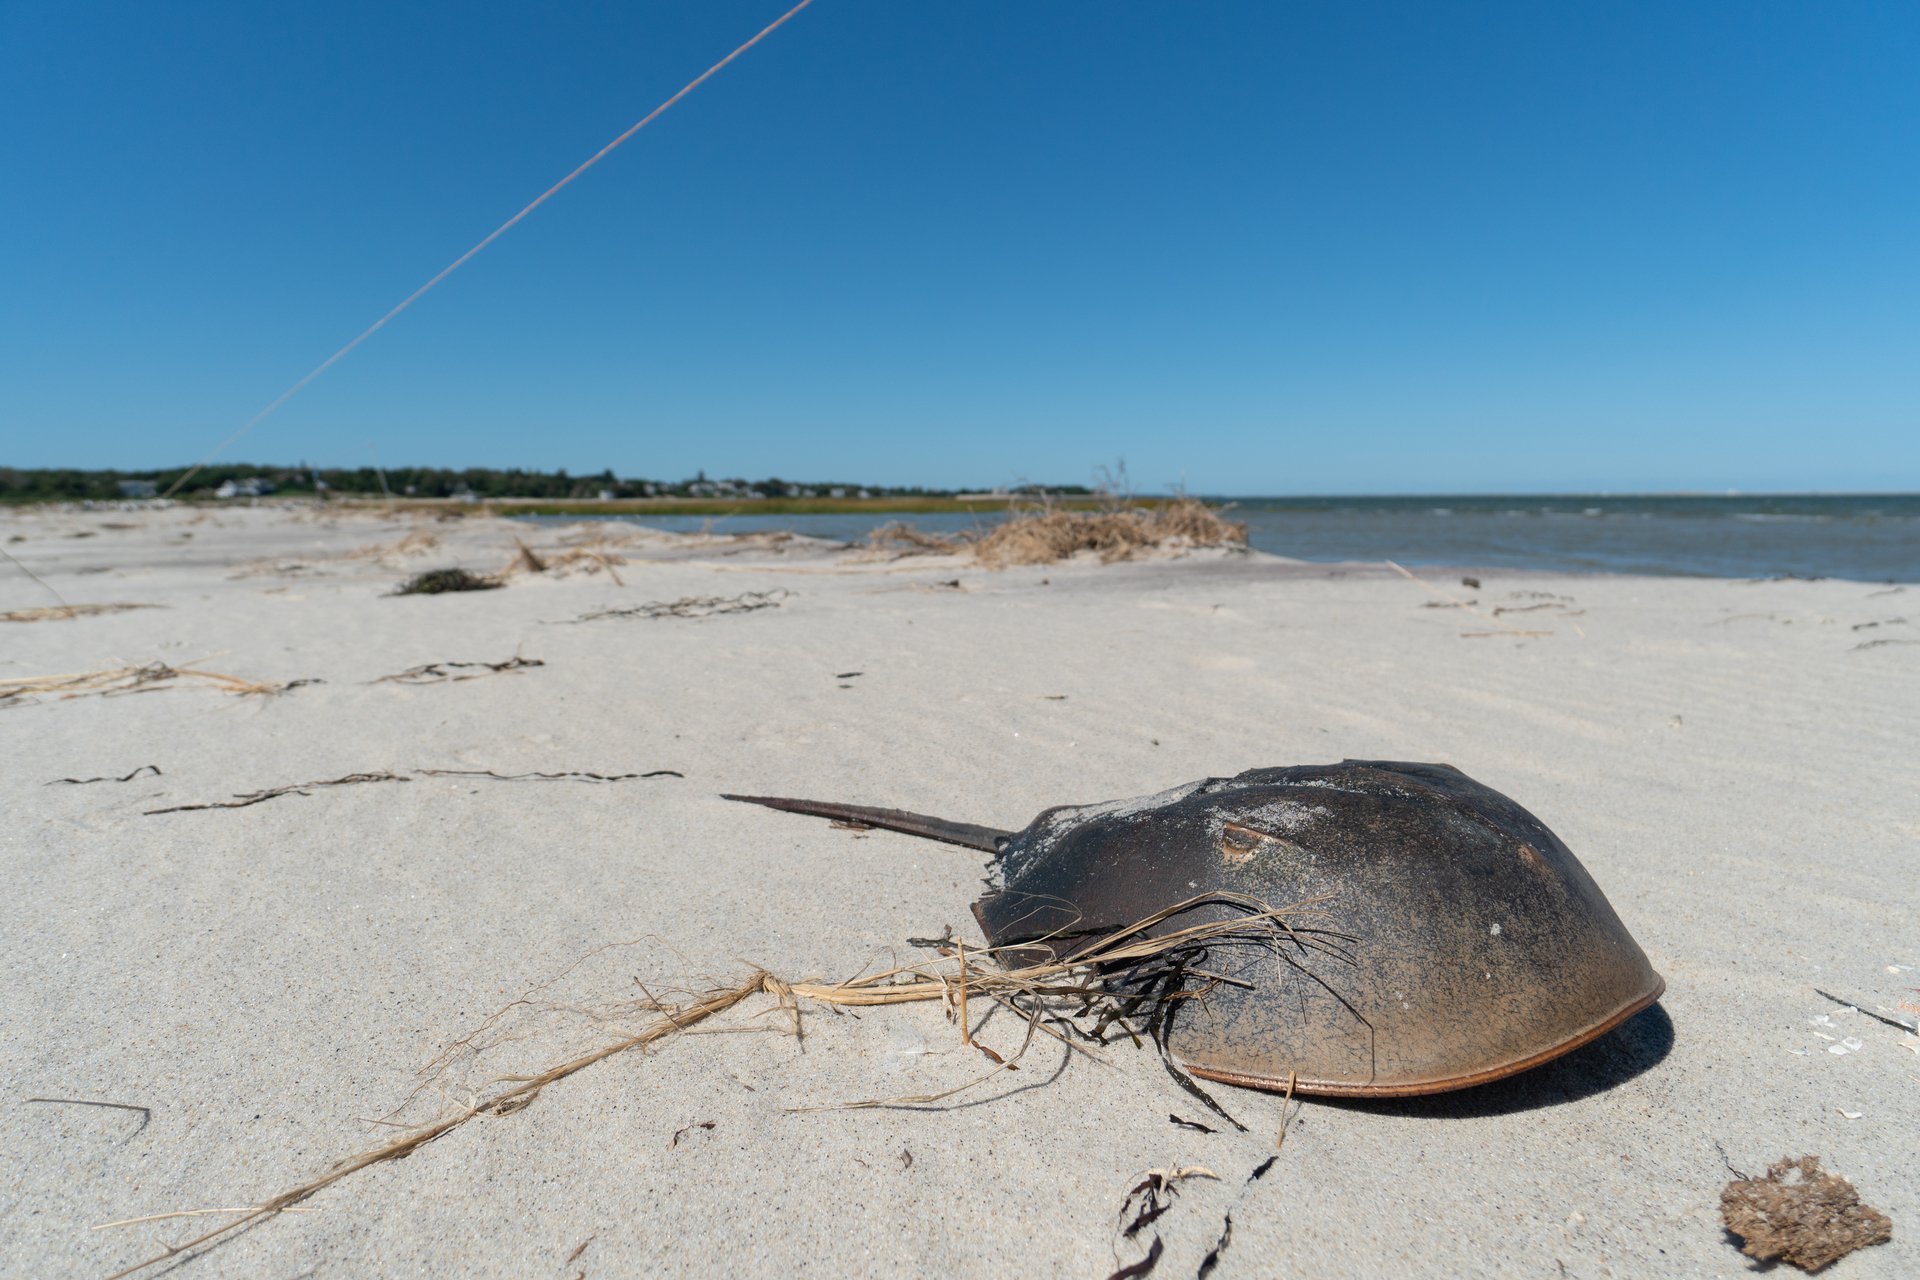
(983, 504)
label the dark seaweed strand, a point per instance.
(154, 769)
(1145, 1265)
(1212, 1260)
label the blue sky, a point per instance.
(1254, 248)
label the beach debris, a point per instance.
(547, 777)
(693, 606)
(1881, 644)
(1500, 628)
(438, 672)
(1181, 1122)
(245, 799)
(1046, 535)
(1143, 1267)
(145, 1113)
(187, 1213)
(1212, 1260)
(1498, 610)
(59, 612)
(1430, 875)
(1145, 1203)
(1853, 1006)
(440, 581)
(582, 558)
(143, 770)
(1287, 1111)
(1799, 1213)
(1471, 584)
(113, 681)
(678, 1134)
(903, 540)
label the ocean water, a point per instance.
(1869, 538)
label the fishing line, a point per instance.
(464, 258)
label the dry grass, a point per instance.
(1129, 980)
(1046, 535)
(898, 539)
(416, 543)
(110, 681)
(1043, 537)
(387, 555)
(564, 562)
(59, 613)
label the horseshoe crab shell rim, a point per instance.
(1447, 1084)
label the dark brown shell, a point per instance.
(1468, 942)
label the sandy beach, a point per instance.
(275, 986)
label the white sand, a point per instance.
(1735, 772)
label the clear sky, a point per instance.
(1256, 247)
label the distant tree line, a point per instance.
(61, 484)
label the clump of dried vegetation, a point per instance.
(582, 557)
(1123, 984)
(1801, 1214)
(1046, 535)
(1042, 537)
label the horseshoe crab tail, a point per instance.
(965, 834)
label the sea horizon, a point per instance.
(1865, 537)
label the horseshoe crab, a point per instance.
(1471, 943)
